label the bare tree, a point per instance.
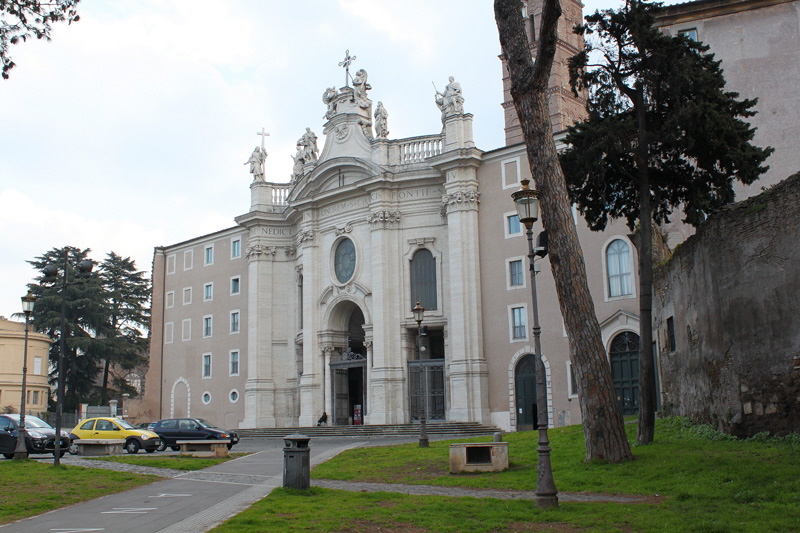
(603, 425)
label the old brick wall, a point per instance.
(732, 292)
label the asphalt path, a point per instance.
(191, 501)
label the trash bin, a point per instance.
(296, 462)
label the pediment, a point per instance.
(334, 174)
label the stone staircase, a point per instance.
(438, 429)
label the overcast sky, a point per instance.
(131, 128)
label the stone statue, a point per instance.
(329, 98)
(451, 102)
(297, 169)
(381, 127)
(256, 161)
(308, 145)
(360, 88)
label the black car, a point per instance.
(39, 436)
(172, 430)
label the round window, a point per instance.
(206, 397)
(234, 396)
(344, 260)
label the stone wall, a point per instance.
(731, 293)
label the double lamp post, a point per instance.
(526, 201)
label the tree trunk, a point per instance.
(603, 425)
(647, 382)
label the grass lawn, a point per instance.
(699, 480)
(44, 487)
(175, 462)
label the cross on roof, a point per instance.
(263, 134)
(346, 64)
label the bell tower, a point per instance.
(565, 107)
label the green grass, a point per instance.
(44, 487)
(175, 462)
(697, 480)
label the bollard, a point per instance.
(296, 462)
(498, 437)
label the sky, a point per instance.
(131, 128)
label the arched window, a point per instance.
(423, 279)
(618, 269)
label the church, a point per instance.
(304, 305)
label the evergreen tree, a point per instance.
(661, 134)
(85, 316)
(23, 19)
(126, 294)
(603, 426)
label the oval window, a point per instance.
(344, 260)
(234, 396)
(206, 397)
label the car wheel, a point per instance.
(230, 445)
(175, 448)
(132, 446)
(73, 448)
(60, 453)
(8, 455)
(162, 447)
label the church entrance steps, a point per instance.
(447, 429)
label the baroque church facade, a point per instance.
(304, 306)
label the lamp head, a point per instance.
(419, 313)
(27, 303)
(526, 201)
(84, 269)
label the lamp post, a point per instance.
(21, 451)
(419, 314)
(84, 270)
(526, 201)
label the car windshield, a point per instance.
(33, 422)
(205, 423)
(124, 423)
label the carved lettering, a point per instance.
(345, 206)
(276, 231)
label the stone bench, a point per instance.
(93, 447)
(204, 447)
(478, 457)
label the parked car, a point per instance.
(39, 436)
(172, 430)
(117, 428)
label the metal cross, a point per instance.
(346, 64)
(263, 134)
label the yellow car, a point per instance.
(117, 428)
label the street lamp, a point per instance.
(527, 202)
(419, 314)
(84, 270)
(21, 452)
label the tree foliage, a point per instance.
(662, 133)
(603, 427)
(104, 319)
(24, 19)
(697, 142)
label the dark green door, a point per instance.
(625, 371)
(525, 384)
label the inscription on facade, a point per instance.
(277, 231)
(410, 194)
(344, 206)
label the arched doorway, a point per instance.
(349, 373)
(525, 385)
(624, 356)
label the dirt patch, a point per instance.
(363, 526)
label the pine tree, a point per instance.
(126, 295)
(603, 425)
(84, 313)
(661, 134)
